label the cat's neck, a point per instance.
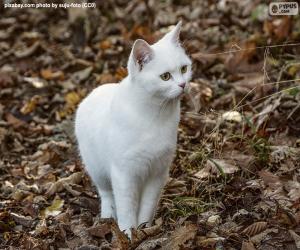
(145, 102)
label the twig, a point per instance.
(245, 49)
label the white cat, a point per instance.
(127, 132)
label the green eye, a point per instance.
(165, 76)
(183, 69)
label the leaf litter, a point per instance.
(235, 182)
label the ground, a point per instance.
(235, 182)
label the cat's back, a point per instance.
(93, 109)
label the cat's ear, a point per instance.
(141, 54)
(173, 35)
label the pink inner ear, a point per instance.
(142, 53)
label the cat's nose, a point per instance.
(182, 85)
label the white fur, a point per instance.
(127, 132)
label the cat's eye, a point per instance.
(165, 76)
(183, 69)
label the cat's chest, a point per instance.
(156, 145)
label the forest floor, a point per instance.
(235, 182)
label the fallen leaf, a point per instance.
(232, 116)
(121, 73)
(82, 75)
(216, 167)
(41, 228)
(31, 105)
(105, 78)
(175, 187)
(27, 51)
(264, 115)
(22, 220)
(296, 238)
(248, 245)
(14, 121)
(211, 242)
(58, 186)
(293, 188)
(270, 179)
(255, 228)
(180, 236)
(72, 98)
(214, 220)
(48, 74)
(139, 235)
(105, 44)
(150, 244)
(200, 94)
(256, 239)
(35, 82)
(100, 230)
(278, 27)
(54, 209)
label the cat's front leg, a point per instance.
(108, 209)
(150, 197)
(126, 195)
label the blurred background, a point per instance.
(235, 183)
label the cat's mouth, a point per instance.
(184, 90)
(179, 95)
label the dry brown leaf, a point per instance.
(48, 74)
(139, 235)
(35, 82)
(30, 105)
(278, 27)
(232, 116)
(200, 93)
(105, 44)
(82, 75)
(180, 236)
(121, 73)
(217, 167)
(250, 81)
(105, 78)
(270, 179)
(72, 98)
(296, 238)
(223, 100)
(244, 161)
(255, 228)
(282, 152)
(256, 239)
(151, 244)
(27, 51)
(206, 58)
(120, 240)
(211, 242)
(100, 230)
(59, 185)
(214, 220)
(264, 115)
(41, 228)
(175, 187)
(239, 61)
(248, 245)
(22, 220)
(14, 121)
(64, 217)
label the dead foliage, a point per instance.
(235, 182)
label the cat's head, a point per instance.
(162, 69)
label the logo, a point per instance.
(283, 8)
